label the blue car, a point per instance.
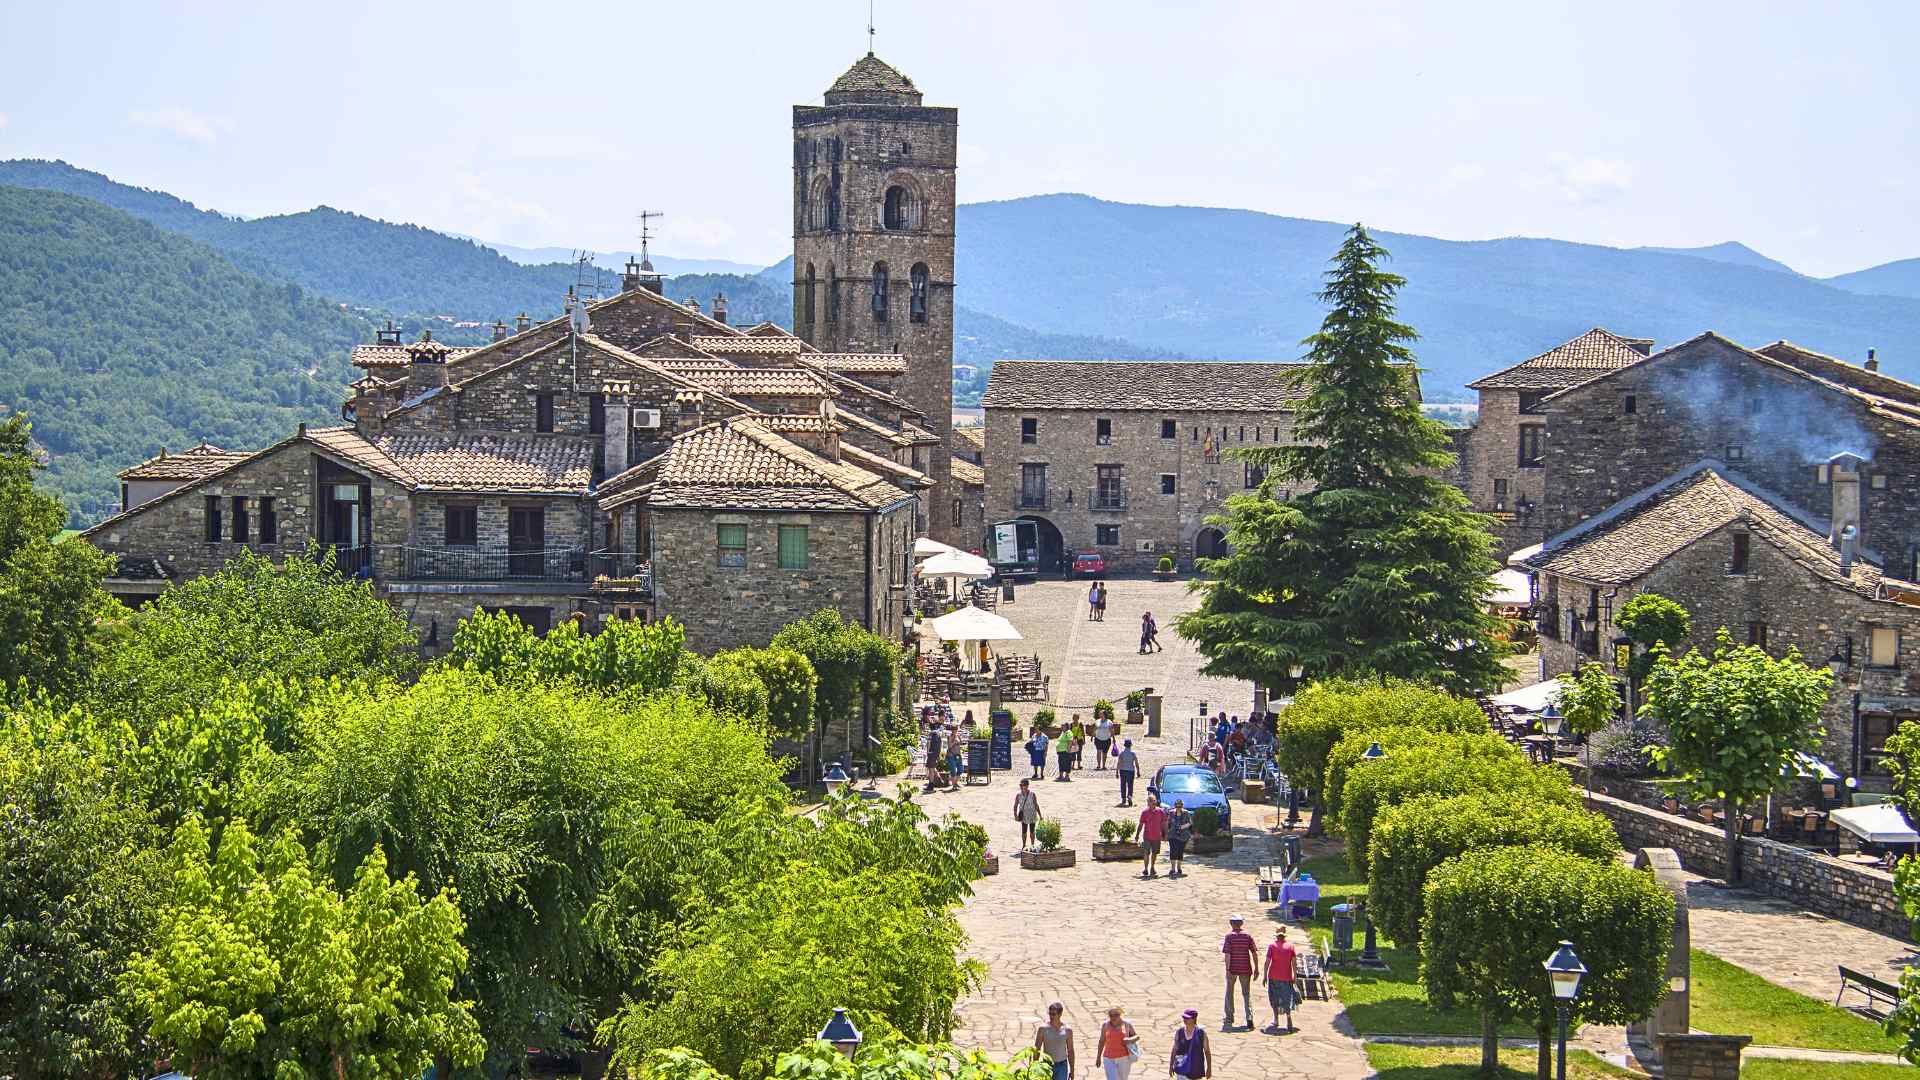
(1195, 785)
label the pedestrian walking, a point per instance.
(1241, 954)
(1119, 1045)
(1179, 831)
(1150, 635)
(953, 757)
(1281, 993)
(1100, 605)
(1055, 1039)
(1093, 600)
(1102, 741)
(1037, 754)
(1127, 763)
(934, 780)
(1063, 752)
(1079, 742)
(1153, 829)
(1192, 1055)
(1026, 811)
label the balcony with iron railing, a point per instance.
(620, 571)
(479, 564)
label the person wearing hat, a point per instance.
(1242, 956)
(1279, 978)
(1192, 1055)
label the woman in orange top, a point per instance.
(1119, 1045)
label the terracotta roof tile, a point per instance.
(395, 356)
(861, 363)
(193, 464)
(739, 464)
(966, 472)
(1840, 371)
(872, 427)
(1134, 384)
(753, 345)
(348, 445)
(885, 466)
(1569, 363)
(973, 436)
(760, 382)
(786, 422)
(494, 462)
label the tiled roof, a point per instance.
(694, 363)
(966, 472)
(972, 435)
(1627, 541)
(1840, 371)
(920, 436)
(493, 462)
(739, 464)
(1150, 385)
(861, 363)
(756, 345)
(865, 390)
(192, 464)
(885, 466)
(766, 329)
(870, 74)
(872, 427)
(1569, 363)
(760, 382)
(786, 422)
(395, 356)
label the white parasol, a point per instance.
(1531, 699)
(1881, 823)
(927, 545)
(956, 564)
(974, 624)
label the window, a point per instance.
(596, 414)
(1110, 487)
(807, 298)
(1874, 729)
(917, 293)
(240, 529)
(543, 411)
(1243, 434)
(1736, 453)
(1029, 430)
(1530, 401)
(214, 530)
(1630, 404)
(793, 547)
(1106, 535)
(1169, 429)
(1167, 483)
(1757, 634)
(833, 295)
(269, 524)
(1755, 406)
(463, 526)
(538, 619)
(1195, 432)
(880, 292)
(958, 510)
(1499, 495)
(1879, 482)
(1742, 542)
(1103, 432)
(1531, 451)
(1255, 474)
(731, 540)
(1033, 484)
(1883, 647)
(900, 210)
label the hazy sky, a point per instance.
(1790, 127)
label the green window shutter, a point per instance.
(793, 547)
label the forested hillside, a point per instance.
(119, 338)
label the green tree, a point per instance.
(856, 669)
(1414, 837)
(1328, 711)
(882, 1056)
(625, 655)
(1449, 765)
(50, 596)
(1589, 703)
(790, 681)
(1735, 722)
(80, 889)
(258, 969)
(1903, 758)
(1494, 915)
(1350, 752)
(1378, 568)
(1649, 619)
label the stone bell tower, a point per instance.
(873, 214)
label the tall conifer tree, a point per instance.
(1378, 568)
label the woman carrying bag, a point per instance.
(1119, 1046)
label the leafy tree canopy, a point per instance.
(1446, 765)
(790, 681)
(882, 1056)
(1649, 619)
(50, 597)
(1590, 701)
(625, 655)
(1379, 568)
(1329, 711)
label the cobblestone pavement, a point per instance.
(1096, 934)
(1788, 945)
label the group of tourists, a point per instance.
(1190, 1051)
(946, 749)
(1230, 738)
(1097, 612)
(1069, 749)
(1174, 826)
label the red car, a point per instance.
(1089, 564)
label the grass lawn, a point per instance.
(1730, 1000)
(1389, 1001)
(1752, 1068)
(1463, 1063)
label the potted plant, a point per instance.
(1116, 842)
(1164, 571)
(1208, 836)
(1045, 719)
(1136, 707)
(1051, 855)
(1102, 710)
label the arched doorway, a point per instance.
(1050, 548)
(1210, 543)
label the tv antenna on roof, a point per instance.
(646, 233)
(869, 27)
(587, 275)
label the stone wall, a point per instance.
(1067, 445)
(1490, 455)
(1855, 894)
(436, 611)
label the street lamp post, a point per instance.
(1564, 970)
(1370, 952)
(841, 1033)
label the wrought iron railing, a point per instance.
(627, 570)
(495, 564)
(353, 560)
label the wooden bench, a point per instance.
(1876, 990)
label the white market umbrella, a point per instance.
(974, 624)
(1511, 588)
(927, 545)
(1882, 823)
(1807, 766)
(1531, 699)
(956, 564)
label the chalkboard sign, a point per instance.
(1002, 754)
(977, 757)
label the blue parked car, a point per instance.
(1195, 785)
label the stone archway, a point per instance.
(1049, 544)
(1210, 543)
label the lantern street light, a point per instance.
(841, 1033)
(1296, 670)
(1564, 970)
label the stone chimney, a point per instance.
(387, 335)
(426, 363)
(1843, 479)
(640, 275)
(619, 416)
(521, 322)
(720, 307)
(691, 305)
(1873, 362)
(499, 330)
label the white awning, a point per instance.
(1882, 823)
(1524, 554)
(927, 545)
(956, 564)
(1511, 588)
(1806, 765)
(1533, 698)
(973, 624)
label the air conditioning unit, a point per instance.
(1146, 545)
(646, 418)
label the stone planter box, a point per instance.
(1165, 575)
(989, 865)
(1210, 845)
(1057, 859)
(1254, 791)
(1136, 716)
(1114, 851)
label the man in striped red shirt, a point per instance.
(1241, 952)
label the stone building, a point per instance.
(1774, 575)
(873, 222)
(1502, 466)
(1128, 458)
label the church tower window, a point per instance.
(879, 292)
(806, 305)
(917, 297)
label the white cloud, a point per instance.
(3, 119)
(189, 125)
(1590, 179)
(1468, 172)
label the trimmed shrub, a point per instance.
(1206, 821)
(1346, 755)
(1047, 832)
(1326, 712)
(1445, 767)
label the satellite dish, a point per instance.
(578, 317)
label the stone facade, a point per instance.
(1496, 478)
(1702, 1057)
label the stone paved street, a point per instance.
(1096, 934)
